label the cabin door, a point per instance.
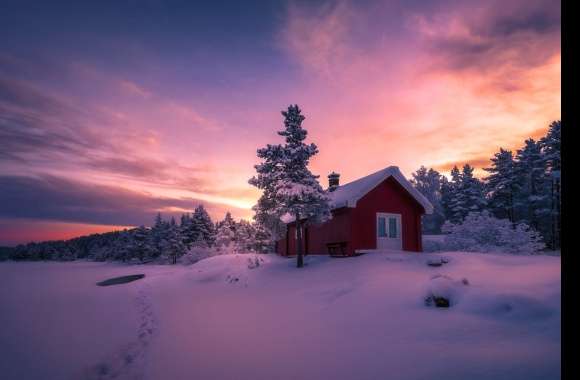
(389, 233)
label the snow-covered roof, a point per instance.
(347, 195)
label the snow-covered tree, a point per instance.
(551, 150)
(244, 236)
(501, 185)
(227, 221)
(273, 160)
(450, 196)
(202, 227)
(481, 232)
(532, 198)
(122, 247)
(140, 245)
(288, 185)
(429, 183)
(469, 194)
(188, 231)
(172, 245)
(159, 232)
(462, 195)
(551, 146)
(262, 240)
(225, 237)
(241, 237)
(449, 199)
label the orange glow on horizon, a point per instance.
(22, 231)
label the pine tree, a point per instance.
(288, 185)
(172, 243)
(226, 233)
(429, 183)
(159, 233)
(449, 198)
(140, 246)
(262, 239)
(202, 227)
(501, 186)
(122, 247)
(244, 236)
(187, 229)
(228, 221)
(464, 194)
(551, 150)
(471, 196)
(269, 170)
(532, 198)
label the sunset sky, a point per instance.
(111, 111)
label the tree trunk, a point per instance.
(557, 216)
(553, 216)
(532, 216)
(299, 253)
(510, 210)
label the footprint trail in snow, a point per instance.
(130, 361)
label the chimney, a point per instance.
(333, 181)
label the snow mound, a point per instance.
(230, 268)
(437, 261)
(444, 291)
(255, 262)
(515, 307)
(195, 254)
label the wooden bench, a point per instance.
(337, 249)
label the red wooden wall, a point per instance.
(336, 230)
(391, 197)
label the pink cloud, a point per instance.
(134, 89)
(458, 84)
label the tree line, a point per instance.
(522, 187)
(165, 241)
(288, 187)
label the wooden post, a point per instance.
(299, 253)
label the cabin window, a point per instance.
(388, 227)
(382, 228)
(393, 233)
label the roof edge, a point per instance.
(393, 171)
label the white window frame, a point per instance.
(388, 216)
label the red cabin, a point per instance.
(381, 211)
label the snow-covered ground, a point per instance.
(221, 318)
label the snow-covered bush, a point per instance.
(196, 254)
(255, 262)
(481, 232)
(433, 243)
(241, 237)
